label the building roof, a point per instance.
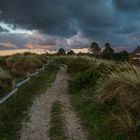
(135, 55)
(137, 50)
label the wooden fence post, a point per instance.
(13, 84)
(28, 74)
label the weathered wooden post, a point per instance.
(28, 76)
(13, 84)
(36, 71)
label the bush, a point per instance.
(89, 78)
(5, 76)
(78, 65)
(27, 63)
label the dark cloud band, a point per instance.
(97, 20)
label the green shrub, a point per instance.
(89, 78)
(78, 65)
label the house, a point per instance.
(135, 55)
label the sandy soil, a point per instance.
(37, 127)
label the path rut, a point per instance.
(37, 128)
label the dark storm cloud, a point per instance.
(57, 16)
(48, 16)
(97, 20)
(128, 5)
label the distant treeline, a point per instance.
(95, 51)
(108, 52)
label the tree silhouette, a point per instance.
(71, 52)
(61, 51)
(108, 52)
(96, 51)
(121, 56)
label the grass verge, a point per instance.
(94, 116)
(13, 111)
(106, 98)
(57, 125)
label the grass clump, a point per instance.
(90, 76)
(13, 111)
(57, 125)
(21, 64)
(5, 81)
(122, 86)
(122, 89)
(125, 124)
(17, 67)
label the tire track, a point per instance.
(37, 128)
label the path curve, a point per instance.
(37, 128)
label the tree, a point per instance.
(121, 56)
(61, 51)
(96, 51)
(71, 52)
(108, 52)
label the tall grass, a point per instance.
(5, 74)
(13, 111)
(16, 67)
(5, 81)
(123, 86)
(21, 64)
(106, 96)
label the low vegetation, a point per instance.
(106, 96)
(17, 67)
(57, 122)
(5, 81)
(13, 111)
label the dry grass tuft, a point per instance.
(123, 86)
(125, 124)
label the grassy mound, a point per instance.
(16, 67)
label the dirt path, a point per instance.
(37, 127)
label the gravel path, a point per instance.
(37, 127)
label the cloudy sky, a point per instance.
(51, 24)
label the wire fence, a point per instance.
(18, 85)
